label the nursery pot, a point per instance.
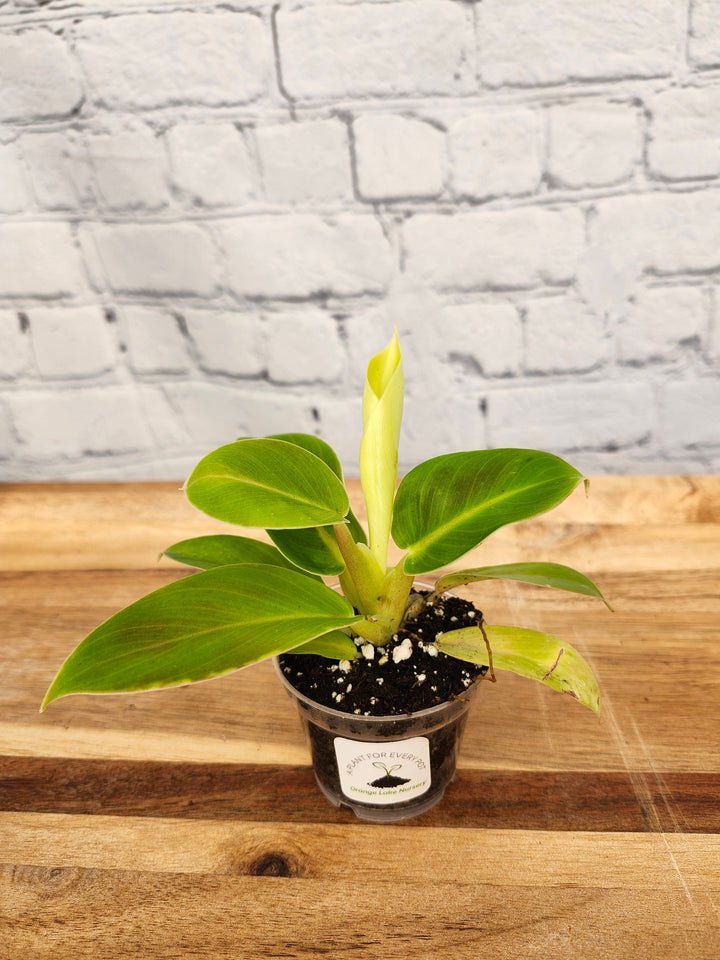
(384, 768)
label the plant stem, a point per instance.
(361, 570)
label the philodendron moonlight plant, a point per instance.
(253, 600)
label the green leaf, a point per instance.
(448, 505)
(326, 453)
(267, 483)
(222, 549)
(382, 414)
(314, 549)
(201, 627)
(335, 645)
(542, 574)
(528, 653)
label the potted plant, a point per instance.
(382, 670)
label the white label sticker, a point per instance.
(384, 772)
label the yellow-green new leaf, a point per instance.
(267, 483)
(382, 415)
(529, 653)
(201, 627)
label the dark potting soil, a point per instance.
(386, 685)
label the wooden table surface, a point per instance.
(186, 823)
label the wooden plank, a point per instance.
(86, 526)
(163, 916)
(509, 858)
(485, 799)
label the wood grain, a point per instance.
(186, 823)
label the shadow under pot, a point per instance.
(383, 768)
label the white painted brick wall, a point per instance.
(210, 216)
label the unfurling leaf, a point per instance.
(382, 415)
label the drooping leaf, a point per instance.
(448, 505)
(542, 574)
(314, 549)
(382, 414)
(335, 645)
(220, 550)
(529, 653)
(201, 627)
(267, 483)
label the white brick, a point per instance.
(486, 336)
(300, 256)
(663, 233)
(398, 157)
(38, 260)
(14, 345)
(71, 342)
(525, 43)
(714, 344)
(411, 47)
(305, 162)
(496, 153)
(157, 259)
(691, 413)
(215, 414)
(14, 194)
(494, 250)
(38, 77)
(453, 421)
(593, 144)
(211, 163)
(150, 60)
(7, 440)
(303, 347)
(59, 169)
(659, 320)
(567, 416)
(166, 426)
(704, 38)
(75, 422)
(155, 342)
(563, 335)
(685, 133)
(227, 342)
(129, 164)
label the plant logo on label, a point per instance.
(384, 772)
